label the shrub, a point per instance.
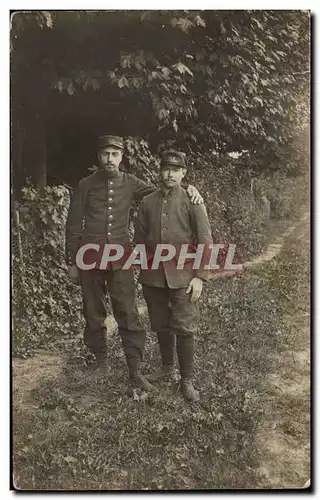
(287, 195)
(233, 213)
(46, 306)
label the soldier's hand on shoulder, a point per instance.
(195, 196)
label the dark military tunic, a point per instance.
(172, 218)
(99, 210)
(99, 213)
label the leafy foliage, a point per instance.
(234, 215)
(140, 160)
(218, 80)
(46, 307)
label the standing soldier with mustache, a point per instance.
(172, 293)
(99, 213)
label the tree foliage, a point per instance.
(217, 79)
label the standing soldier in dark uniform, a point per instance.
(99, 213)
(167, 217)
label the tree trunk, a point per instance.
(40, 154)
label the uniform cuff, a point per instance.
(203, 275)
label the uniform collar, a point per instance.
(172, 191)
(105, 175)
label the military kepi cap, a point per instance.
(110, 140)
(174, 158)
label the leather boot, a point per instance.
(166, 343)
(135, 376)
(188, 391)
(99, 368)
(185, 352)
(139, 381)
(97, 360)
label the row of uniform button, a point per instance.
(69, 255)
(110, 216)
(164, 214)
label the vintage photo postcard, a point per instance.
(160, 250)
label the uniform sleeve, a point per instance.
(141, 188)
(202, 230)
(141, 225)
(75, 222)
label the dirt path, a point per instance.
(285, 441)
(27, 374)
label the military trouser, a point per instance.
(122, 290)
(173, 316)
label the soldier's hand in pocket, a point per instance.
(73, 273)
(195, 287)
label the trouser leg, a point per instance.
(122, 290)
(94, 311)
(157, 300)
